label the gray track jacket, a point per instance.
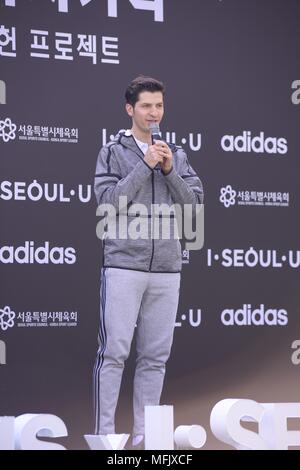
(122, 171)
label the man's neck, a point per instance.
(142, 136)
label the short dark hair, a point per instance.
(142, 83)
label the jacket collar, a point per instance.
(127, 140)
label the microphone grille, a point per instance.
(154, 128)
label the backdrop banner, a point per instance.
(231, 70)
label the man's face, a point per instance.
(149, 108)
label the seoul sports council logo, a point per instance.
(6, 318)
(227, 196)
(7, 129)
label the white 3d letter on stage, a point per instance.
(272, 424)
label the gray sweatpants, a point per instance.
(127, 298)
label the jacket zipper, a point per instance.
(153, 199)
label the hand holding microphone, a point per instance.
(159, 152)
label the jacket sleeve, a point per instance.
(109, 184)
(184, 184)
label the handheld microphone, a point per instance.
(155, 135)
(154, 131)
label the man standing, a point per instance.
(140, 277)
